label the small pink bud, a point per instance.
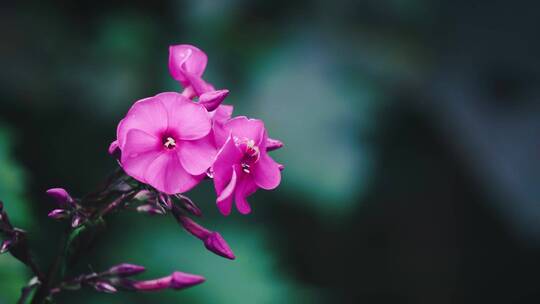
(58, 214)
(211, 100)
(165, 201)
(189, 205)
(143, 195)
(273, 144)
(5, 246)
(61, 196)
(215, 243)
(76, 221)
(177, 280)
(181, 280)
(104, 287)
(151, 209)
(281, 167)
(125, 270)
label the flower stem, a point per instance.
(71, 247)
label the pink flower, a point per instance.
(187, 64)
(243, 165)
(165, 141)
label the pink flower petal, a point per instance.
(198, 84)
(241, 126)
(167, 175)
(223, 166)
(245, 187)
(219, 117)
(196, 156)
(139, 151)
(266, 173)
(146, 115)
(189, 119)
(222, 113)
(224, 200)
(225, 205)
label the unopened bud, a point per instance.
(125, 270)
(58, 214)
(181, 280)
(215, 243)
(177, 280)
(165, 201)
(151, 209)
(105, 287)
(143, 195)
(5, 246)
(212, 100)
(189, 205)
(273, 144)
(61, 196)
(76, 221)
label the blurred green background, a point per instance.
(411, 132)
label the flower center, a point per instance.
(251, 153)
(169, 142)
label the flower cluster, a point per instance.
(166, 145)
(172, 141)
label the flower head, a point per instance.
(243, 165)
(165, 142)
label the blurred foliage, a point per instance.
(12, 182)
(306, 106)
(12, 186)
(15, 271)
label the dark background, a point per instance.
(411, 132)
